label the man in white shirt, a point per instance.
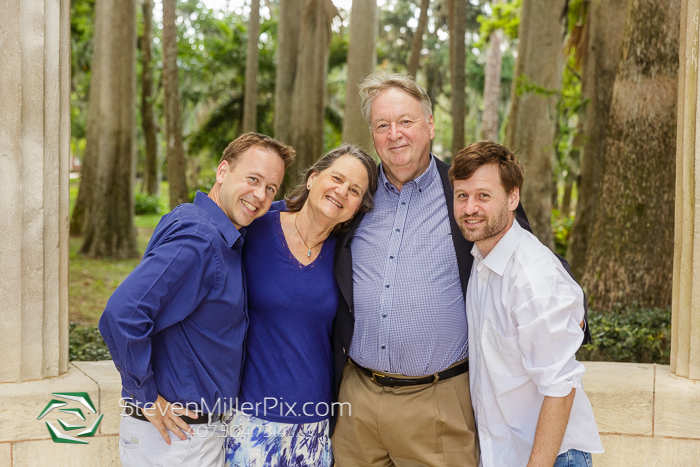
(523, 311)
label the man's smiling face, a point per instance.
(483, 209)
(401, 134)
(247, 189)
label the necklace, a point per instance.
(308, 248)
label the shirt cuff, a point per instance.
(146, 395)
(562, 389)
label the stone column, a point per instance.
(34, 165)
(685, 343)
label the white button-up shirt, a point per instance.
(524, 311)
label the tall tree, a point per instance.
(417, 41)
(361, 61)
(458, 56)
(287, 56)
(109, 217)
(630, 254)
(514, 106)
(600, 61)
(173, 123)
(250, 99)
(308, 103)
(148, 120)
(492, 85)
(541, 38)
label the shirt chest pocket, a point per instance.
(502, 354)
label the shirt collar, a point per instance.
(219, 218)
(500, 255)
(422, 181)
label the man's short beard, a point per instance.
(493, 225)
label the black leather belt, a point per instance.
(392, 381)
(135, 412)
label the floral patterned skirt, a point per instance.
(253, 442)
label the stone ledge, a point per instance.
(622, 396)
(109, 384)
(647, 451)
(103, 451)
(23, 402)
(646, 416)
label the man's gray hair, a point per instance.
(380, 81)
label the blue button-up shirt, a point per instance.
(177, 324)
(409, 306)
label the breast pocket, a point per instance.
(502, 354)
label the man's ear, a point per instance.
(221, 171)
(431, 125)
(514, 199)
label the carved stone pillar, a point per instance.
(685, 344)
(34, 165)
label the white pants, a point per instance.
(142, 445)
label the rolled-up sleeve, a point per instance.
(549, 336)
(162, 290)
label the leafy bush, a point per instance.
(145, 204)
(85, 344)
(633, 334)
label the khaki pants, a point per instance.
(425, 425)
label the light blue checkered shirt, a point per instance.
(409, 309)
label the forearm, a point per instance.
(551, 425)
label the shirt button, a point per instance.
(387, 286)
(384, 315)
(391, 257)
(398, 230)
(403, 203)
(383, 347)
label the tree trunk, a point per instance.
(250, 101)
(110, 230)
(535, 128)
(601, 59)
(173, 124)
(630, 254)
(308, 103)
(417, 42)
(287, 55)
(97, 100)
(458, 59)
(492, 85)
(362, 58)
(514, 107)
(148, 121)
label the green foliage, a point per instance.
(561, 227)
(634, 334)
(85, 344)
(145, 204)
(504, 16)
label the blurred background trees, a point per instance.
(582, 90)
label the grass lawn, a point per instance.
(92, 281)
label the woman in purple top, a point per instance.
(285, 399)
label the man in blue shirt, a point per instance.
(176, 326)
(400, 337)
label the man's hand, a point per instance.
(554, 416)
(163, 415)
